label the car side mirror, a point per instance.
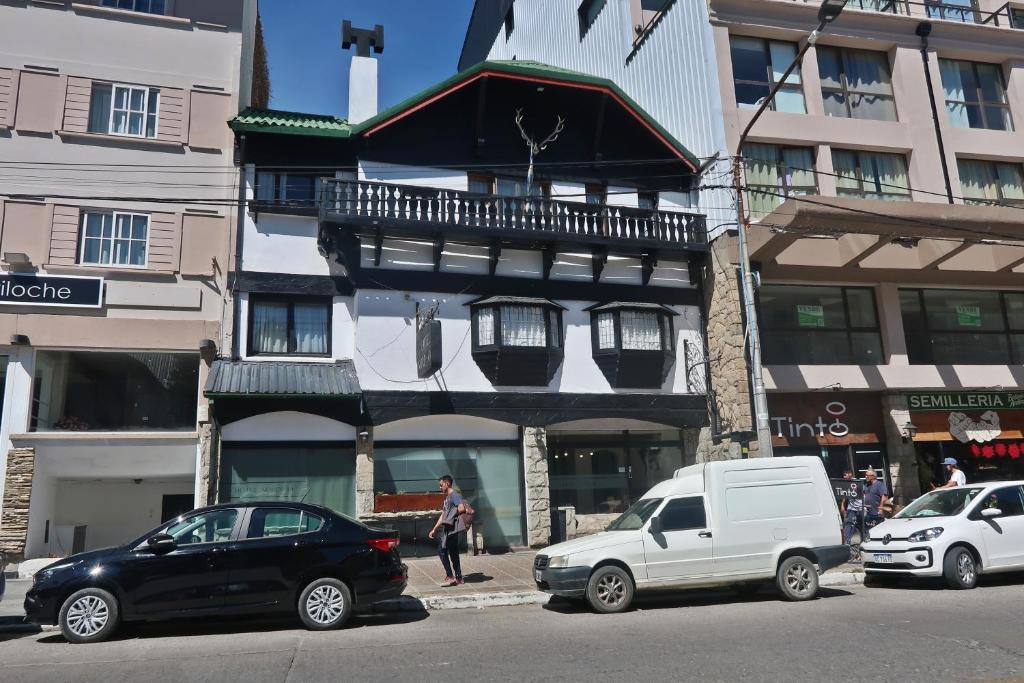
(655, 527)
(161, 543)
(991, 512)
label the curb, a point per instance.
(409, 603)
(841, 579)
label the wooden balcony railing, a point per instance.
(458, 212)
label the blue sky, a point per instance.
(309, 70)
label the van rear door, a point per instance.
(683, 547)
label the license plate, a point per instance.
(883, 558)
(536, 575)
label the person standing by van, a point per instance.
(852, 507)
(956, 475)
(875, 497)
(451, 524)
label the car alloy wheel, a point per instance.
(960, 569)
(611, 590)
(965, 568)
(87, 616)
(325, 604)
(797, 578)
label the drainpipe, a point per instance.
(923, 30)
(239, 236)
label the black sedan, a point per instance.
(247, 558)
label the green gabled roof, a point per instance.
(293, 123)
(290, 123)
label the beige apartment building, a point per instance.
(887, 240)
(116, 206)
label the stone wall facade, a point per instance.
(728, 386)
(538, 492)
(364, 472)
(208, 464)
(903, 468)
(17, 497)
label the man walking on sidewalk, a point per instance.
(451, 524)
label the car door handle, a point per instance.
(705, 534)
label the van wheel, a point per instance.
(959, 569)
(88, 616)
(325, 604)
(610, 590)
(797, 578)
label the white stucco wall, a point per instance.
(282, 244)
(288, 425)
(445, 428)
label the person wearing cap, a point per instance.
(956, 475)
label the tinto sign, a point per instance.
(825, 419)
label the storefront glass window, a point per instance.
(811, 325)
(954, 326)
(606, 473)
(322, 474)
(488, 474)
(100, 391)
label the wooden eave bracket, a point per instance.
(600, 260)
(493, 256)
(438, 252)
(378, 247)
(648, 262)
(548, 253)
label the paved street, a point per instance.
(911, 633)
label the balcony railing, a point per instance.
(965, 12)
(449, 212)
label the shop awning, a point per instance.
(282, 379)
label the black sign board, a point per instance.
(428, 348)
(850, 489)
(66, 291)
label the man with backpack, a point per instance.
(456, 516)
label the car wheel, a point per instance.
(88, 616)
(797, 578)
(325, 604)
(610, 590)
(959, 569)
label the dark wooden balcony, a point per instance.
(426, 211)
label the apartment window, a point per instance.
(963, 327)
(871, 175)
(774, 173)
(587, 12)
(290, 325)
(757, 64)
(482, 183)
(124, 110)
(975, 95)
(596, 194)
(100, 391)
(294, 189)
(991, 182)
(517, 340)
(953, 10)
(645, 13)
(633, 344)
(811, 325)
(113, 239)
(510, 20)
(147, 6)
(856, 84)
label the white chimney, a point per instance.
(362, 77)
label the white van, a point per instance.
(719, 523)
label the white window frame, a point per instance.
(114, 239)
(147, 92)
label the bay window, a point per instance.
(757, 65)
(774, 173)
(633, 343)
(991, 182)
(871, 175)
(113, 239)
(517, 340)
(817, 325)
(975, 95)
(290, 325)
(130, 110)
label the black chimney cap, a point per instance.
(363, 38)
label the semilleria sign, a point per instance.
(67, 291)
(967, 400)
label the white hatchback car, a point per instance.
(955, 533)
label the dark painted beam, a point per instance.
(493, 256)
(600, 260)
(648, 262)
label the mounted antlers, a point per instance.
(536, 147)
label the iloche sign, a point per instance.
(68, 291)
(967, 400)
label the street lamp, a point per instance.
(827, 13)
(909, 431)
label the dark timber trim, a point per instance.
(548, 252)
(378, 246)
(600, 260)
(285, 283)
(438, 252)
(648, 262)
(493, 256)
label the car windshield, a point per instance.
(944, 503)
(635, 516)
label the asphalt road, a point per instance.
(899, 635)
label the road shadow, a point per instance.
(477, 577)
(658, 600)
(230, 626)
(928, 583)
(14, 627)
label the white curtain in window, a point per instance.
(953, 85)
(522, 326)
(1011, 181)
(485, 326)
(799, 164)
(311, 331)
(890, 171)
(270, 327)
(640, 330)
(99, 109)
(606, 330)
(844, 164)
(976, 181)
(762, 170)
